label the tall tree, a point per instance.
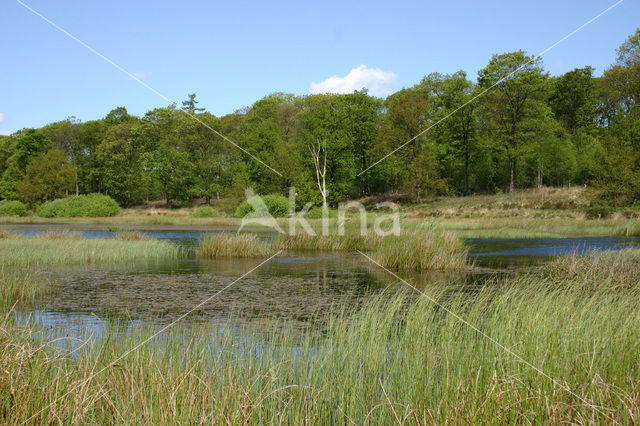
(514, 106)
(573, 99)
(457, 130)
(48, 176)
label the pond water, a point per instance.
(297, 287)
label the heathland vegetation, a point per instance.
(529, 130)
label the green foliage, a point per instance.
(528, 130)
(205, 211)
(49, 176)
(276, 206)
(92, 205)
(12, 208)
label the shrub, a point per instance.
(205, 211)
(12, 208)
(598, 211)
(92, 205)
(277, 206)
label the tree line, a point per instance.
(513, 127)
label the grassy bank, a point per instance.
(71, 248)
(399, 359)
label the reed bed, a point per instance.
(131, 236)
(332, 242)
(630, 229)
(6, 234)
(598, 270)
(233, 245)
(57, 248)
(421, 251)
(399, 359)
(59, 235)
(414, 250)
(17, 286)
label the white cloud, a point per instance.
(141, 75)
(4, 132)
(1, 117)
(378, 82)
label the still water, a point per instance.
(297, 287)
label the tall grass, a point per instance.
(232, 245)
(70, 248)
(598, 270)
(331, 242)
(421, 251)
(413, 250)
(399, 359)
(17, 286)
(630, 229)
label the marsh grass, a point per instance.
(16, 286)
(399, 359)
(414, 250)
(608, 270)
(331, 242)
(630, 229)
(421, 251)
(6, 234)
(69, 248)
(131, 236)
(233, 245)
(59, 235)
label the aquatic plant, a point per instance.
(69, 248)
(131, 236)
(413, 250)
(331, 242)
(421, 251)
(232, 245)
(399, 359)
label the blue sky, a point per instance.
(233, 53)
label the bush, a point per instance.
(12, 208)
(205, 211)
(92, 205)
(598, 211)
(277, 206)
